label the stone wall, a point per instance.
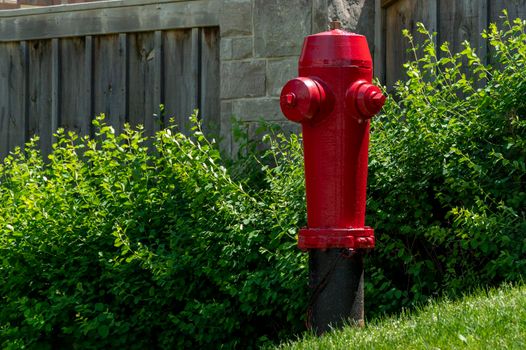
(260, 46)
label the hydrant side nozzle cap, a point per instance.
(364, 99)
(378, 100)
(301, 99)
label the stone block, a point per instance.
(253, 131)
(225, 49)
(286, 127)
(243, 79)
(280, 26)
(240, 131)
(320, 17)
(279, 72)
(255, 109)
(225, 133)
(242, 47)
(289, 127)
(235, 18)
(226, 110)
(256, 133)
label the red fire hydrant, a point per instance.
(333, 99)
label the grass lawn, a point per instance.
(484, 320)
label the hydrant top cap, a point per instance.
(336, 31)
(335, 48)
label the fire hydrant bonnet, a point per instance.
(335, 48)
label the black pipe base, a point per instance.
(336, 282)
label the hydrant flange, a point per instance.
(352, 238)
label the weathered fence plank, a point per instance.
(180, 83)
(88, 79)
(483, 6)
(143, 102)
(379, 41)
(158, 69)
(404, 14)
(75, 110)
(40, 93)
(209, 99)
(109, 79)
(463, 16)
(55, 86)
(12, 96)
(516, 8)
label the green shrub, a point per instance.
(447, 173)
(112, 245)
(446, 191)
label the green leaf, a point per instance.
(103, 331)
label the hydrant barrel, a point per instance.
(333, 98)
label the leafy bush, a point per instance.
(112, 245)
(447, 173)
(446, 191)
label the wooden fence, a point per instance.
(59, 69)
(453, 20)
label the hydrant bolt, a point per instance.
(290, 99)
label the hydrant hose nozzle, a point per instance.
(302, 98)
(364, 100)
